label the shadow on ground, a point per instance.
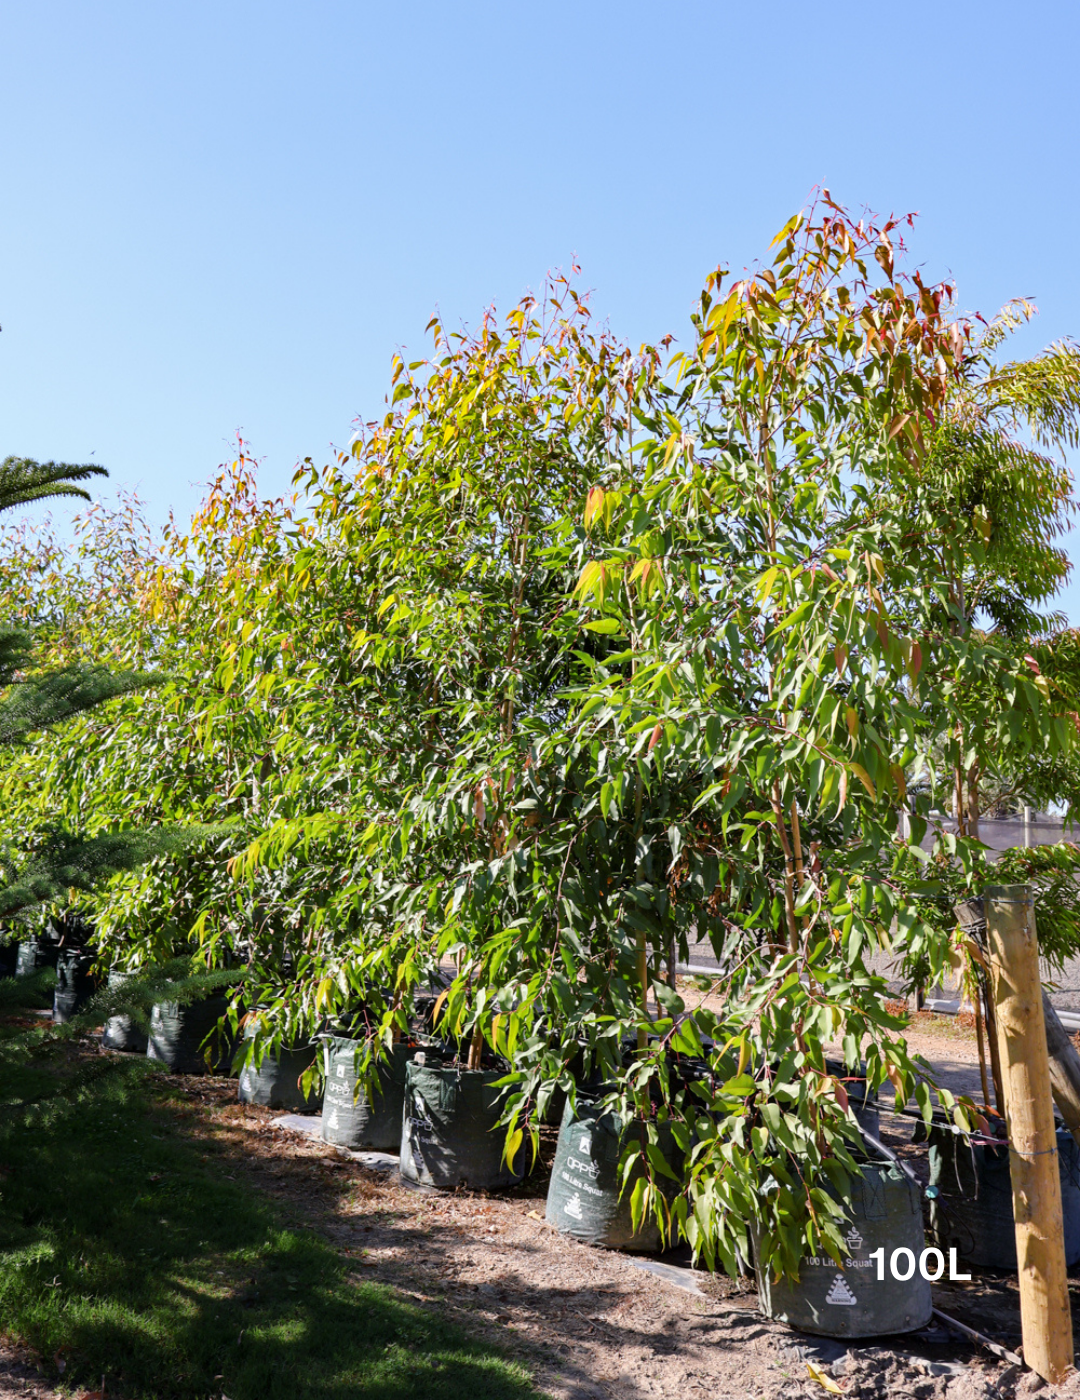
(127, 1250)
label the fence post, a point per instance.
(1029, 1115)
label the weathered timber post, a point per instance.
(1029, 1115)
(1064, 1068)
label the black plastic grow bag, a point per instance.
(973, 1208)
(123, 1032)
(273, 1083)
(353, 1119)
(188, 1039)
(583, 1197)
(450, 1136)
(885, 1211)
(74, 983)
(34, 955)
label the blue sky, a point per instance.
(227, 216)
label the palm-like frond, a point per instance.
(23, 480)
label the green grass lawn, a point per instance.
(125, 1253)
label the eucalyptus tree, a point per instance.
(422, 617)
(624, 676)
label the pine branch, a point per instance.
(42, 701)
(69, 862)
(40, 1046)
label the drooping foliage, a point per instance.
(576, 662)
(676, 707)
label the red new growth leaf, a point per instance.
(593, 504)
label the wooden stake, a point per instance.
(982, 1048)
(1064, 1068)
(1029, 1114)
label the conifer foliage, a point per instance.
(34, 700)
(23, 481)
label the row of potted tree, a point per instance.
(580, 659)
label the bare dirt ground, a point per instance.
(589, 1323)
(950, 1045)
(20, 1380)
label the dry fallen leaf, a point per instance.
(534, 1215)
(823, 1379)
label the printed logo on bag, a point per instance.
(840, 1294)
(341, 1071)
(332, 1121)
(854, 1239)
(585, 1146)
(573, 1206)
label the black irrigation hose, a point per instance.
(891, 1156)
(969, 1332)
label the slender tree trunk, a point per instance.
(519, 594)
(980, 1028)
(642, 945)
(973, 810)
(789, 871)
(992, 1036)
(796, 841)
(958, 790)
